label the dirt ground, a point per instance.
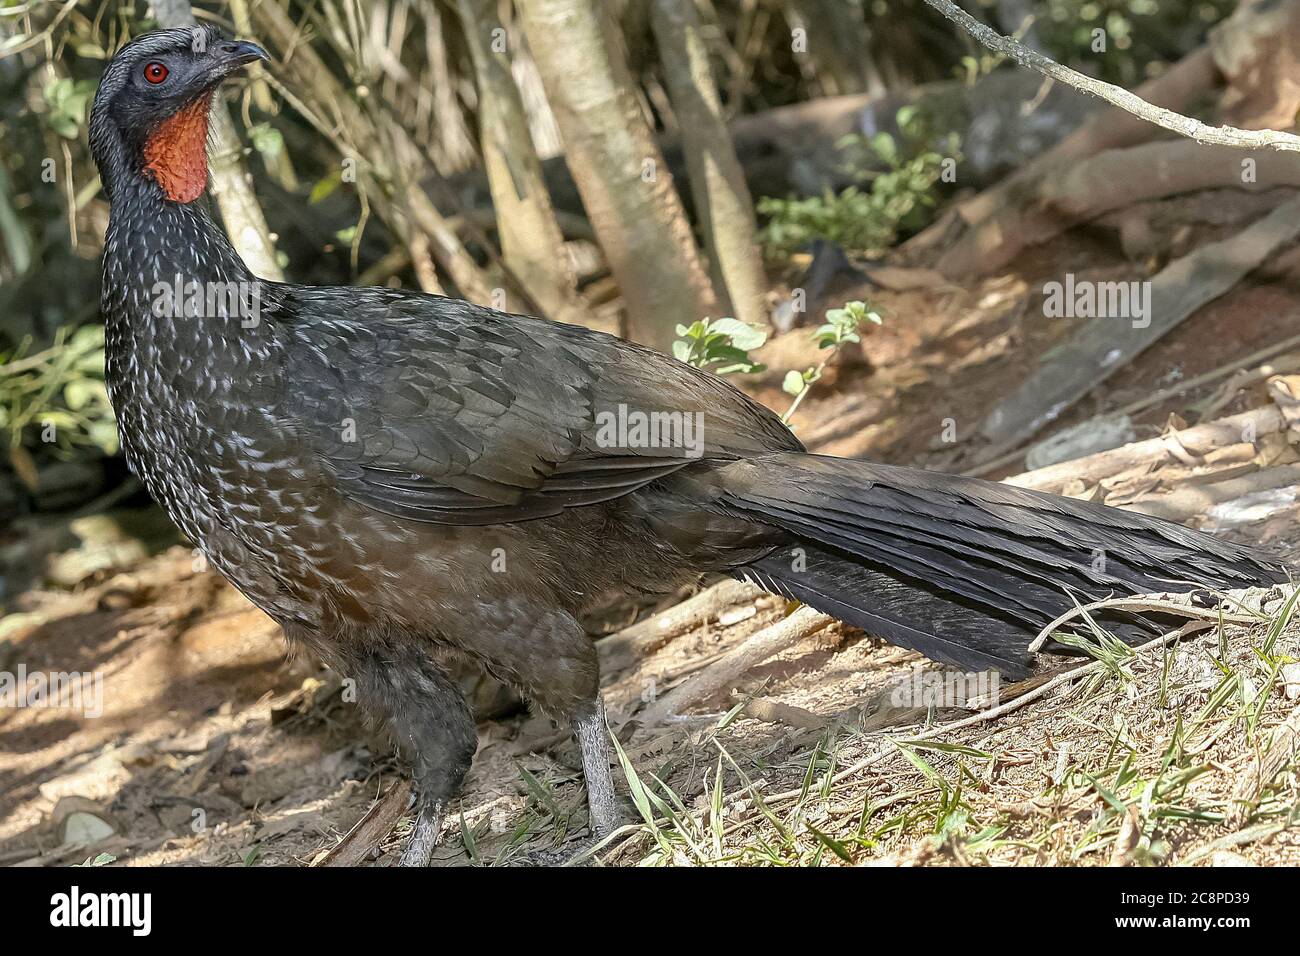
(212, 748)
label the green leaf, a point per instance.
(267, 140)
(835, 846)
(884, 146)
(64, 126)
(743, 335)
(325, 187)
(57, 91)
(87, 337)
(793, 383)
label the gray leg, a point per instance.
(593, 739)
(424, 836)
(547, 656)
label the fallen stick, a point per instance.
(1111, 180)
(624, 648)
(1112, 128)
(1198, 440)
(997, 457)
(1067, 676)
(988, 220)
(1184, 503)
(756, 648)
(359, 842)
(1285, 363)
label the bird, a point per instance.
(405, 481)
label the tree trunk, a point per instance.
(531, 241)
(619, 171)
(722, 200)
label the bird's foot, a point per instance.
(423, 838)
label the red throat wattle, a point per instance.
(176, 154)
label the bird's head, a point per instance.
(149, 120)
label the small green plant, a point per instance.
(842, 326)
(896, 191)
(724, 343)
(59, 391)
(67, 100)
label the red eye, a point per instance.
(155, 72)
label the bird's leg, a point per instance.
(550, 659)
(424, 835)
(593, 740)
(431, 723)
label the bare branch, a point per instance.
(1116, 95)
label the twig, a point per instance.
(1147, 602)
(1115, 95)
(1067, 676)
(622, 649)
(1253, 834)
(362, 839)
(756, 649)
(1156, 398)
(808, 384)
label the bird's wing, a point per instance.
(436, 410)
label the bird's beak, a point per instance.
(232, 54)
(225, 58)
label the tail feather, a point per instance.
(937, 626)
(963, 570)
(918, 559)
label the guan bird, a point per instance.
(403, 481)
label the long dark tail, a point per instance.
(964, 571)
